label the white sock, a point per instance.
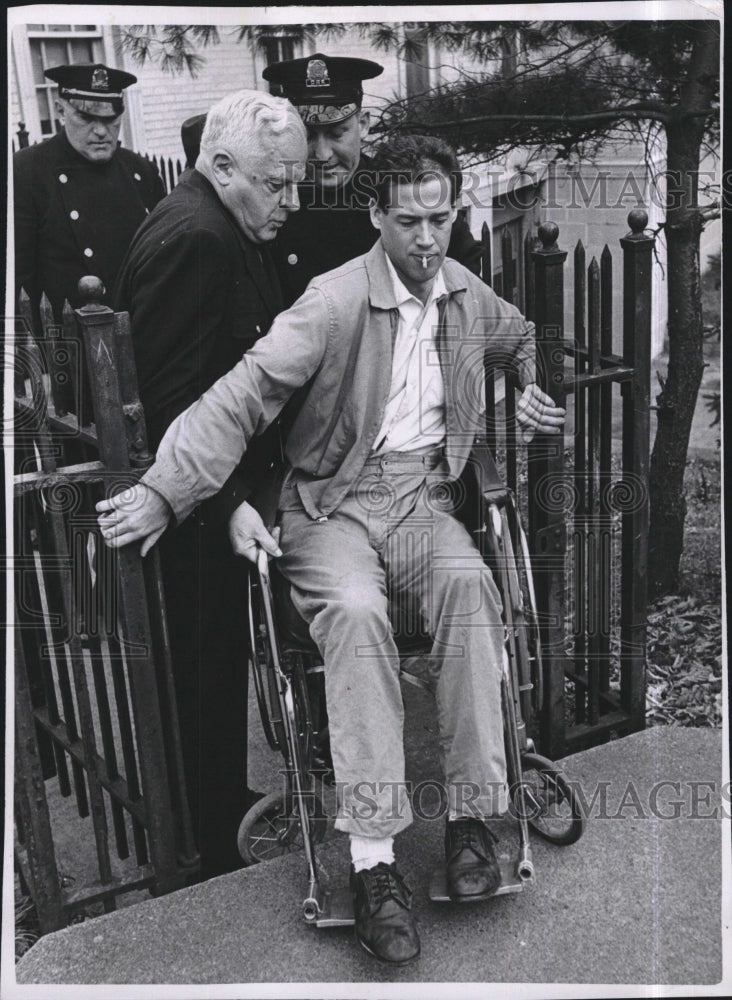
(367, 852)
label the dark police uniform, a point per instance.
(334, 224)
(75, 217)
(199, 295)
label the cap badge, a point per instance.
(100, 79)
(317, 74)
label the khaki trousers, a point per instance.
(392, 549)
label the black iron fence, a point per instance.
(95, 719)
(586, 495)
(168, 168)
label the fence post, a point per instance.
(141, 458)
(97, 324)
(547, 528)
(637, 265)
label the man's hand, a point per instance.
(138, 512)
(535, 411)
(248, 533)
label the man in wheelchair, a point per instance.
(391, 348)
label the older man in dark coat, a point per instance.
(79, 197)
(201, 289)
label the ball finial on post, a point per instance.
(548, 233)
(91, 290)
(637, 220)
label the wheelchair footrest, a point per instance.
(510, 882)
(336, 909)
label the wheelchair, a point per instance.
(289, 685)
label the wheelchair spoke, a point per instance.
(548, 801)
(272, 828)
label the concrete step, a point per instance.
(636, 900)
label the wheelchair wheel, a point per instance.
(272, 827)
(552, 809)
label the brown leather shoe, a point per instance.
(382, 907)
(472, 871)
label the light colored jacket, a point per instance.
(338, 337)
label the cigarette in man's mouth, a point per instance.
(424, 263)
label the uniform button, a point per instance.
(88, 252)
(257, 329)
(137, 177)
(292, 259)
(74, 214)
(63, 178)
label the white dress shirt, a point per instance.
(414, 417)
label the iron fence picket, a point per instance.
(41, 873)
(489, 375)
(31, 630)
(486, 257)
(509, 284)
(580, 581)
(98, 657)
(64, 354)
(605, 575)
(530, 244)
(52, 569)
(594, 489)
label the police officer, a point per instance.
(333, 224)
(79, 197)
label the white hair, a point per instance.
(239, 121)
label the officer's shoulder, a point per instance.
(39, 153)
(135, 160)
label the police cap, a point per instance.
(94, 88)
(324, 89)
(190, 134)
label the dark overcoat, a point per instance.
(74, 217)
(199, 295)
